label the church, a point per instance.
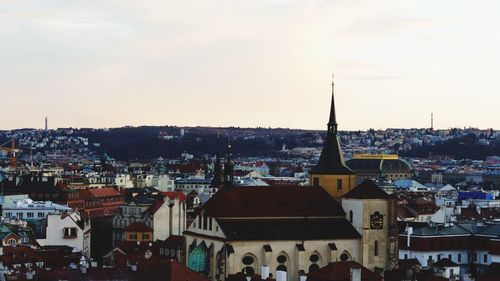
(295, 230)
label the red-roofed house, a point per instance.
(138, 231)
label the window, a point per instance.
(459, 258)
(350, 216)
(161, 251)
(406, 256)
(475, 257)
(30, 215)
(339, 184)
(145, 237)
(40, 215)
(210, 224)
(315, 181)
(8, 214)
(133, 236)
(449, 257)
(205, 219)
(314, 259)
(375, 248)
(11, 242)
(19, 215)
(248, 265)
(199, 221)
(485, 258)
(69, 232)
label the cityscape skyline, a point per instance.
(249, 64)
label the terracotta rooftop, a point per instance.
(138, 227)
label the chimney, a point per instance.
(133, 267)
(264, 272)
(408, 235)
(355, 273)
(281, 276)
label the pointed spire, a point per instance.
(332, 122)
(229, 168)
(217, 179)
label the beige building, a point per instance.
(296, 230)
(292, 229)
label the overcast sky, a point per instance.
(99, 63)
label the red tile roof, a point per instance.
(171, 271)
(138, 227)
(273, 202)
(175, 194)
(104, 192)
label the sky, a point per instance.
(267, 63)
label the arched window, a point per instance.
(315, 260)
(282, 260)
(249, 263)
(345, 256)
(350, 216)
(313, 267)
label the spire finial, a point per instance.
(332, 123)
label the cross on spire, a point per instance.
(332, 122)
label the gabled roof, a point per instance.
(175, 194)
(341, 271)
(367, 190)
(278, 201)
(444, 263)
(138, 227)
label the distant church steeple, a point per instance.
(217, 180)
(331, 172)
(229, 170)
(332, 122)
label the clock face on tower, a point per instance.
(376, 221)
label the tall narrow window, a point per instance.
(339, 184)
(350, 216)
(459, 258)
(375, 250)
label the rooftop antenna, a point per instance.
(46, 123)
(432, 121)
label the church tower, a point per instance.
(331, 172)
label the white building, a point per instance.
(28, 209)
(68, 229)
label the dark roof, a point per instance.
(275, 201)
(171, 271)
(331, 161)
(367, 190)
(378, 165)
(444, 263)
(341, 271)
(291, 229)
(492, 273)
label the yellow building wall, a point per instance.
(128, 236)
(329, 183)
